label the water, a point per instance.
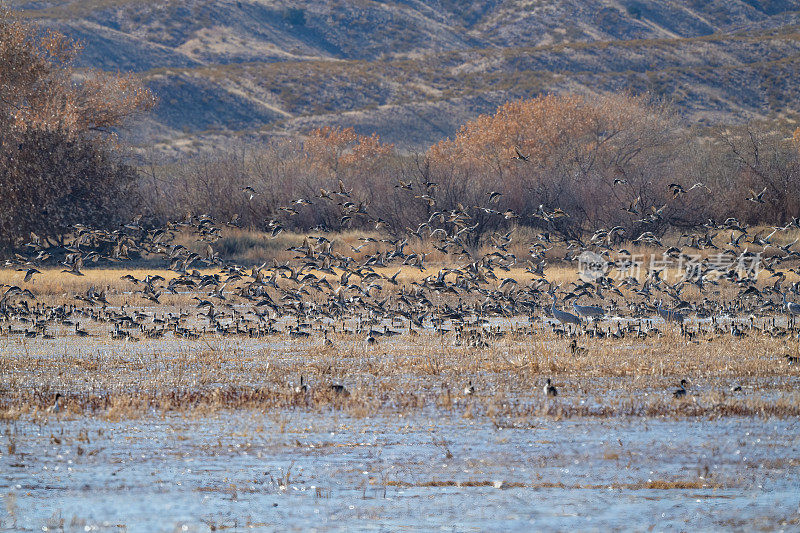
(326, 471)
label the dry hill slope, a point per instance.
(413, 71)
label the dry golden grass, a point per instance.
(614, 377)
(54, 282)
(632, 377)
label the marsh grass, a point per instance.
(633, 376)
(614, 378)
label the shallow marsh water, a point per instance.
(325, 471)
(312, 467)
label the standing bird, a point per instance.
(340, 389)
(588, 311)
(302, 388)
(56, 407)
(668, 315)
(550, 389)
(563, 316)
(575, 349)
(681, 392)
(469, 389)
(792, 307)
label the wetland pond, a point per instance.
(328, 471)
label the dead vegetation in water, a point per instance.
(648, 485)
(613, 378)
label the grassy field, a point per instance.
(214, 431)
(507, 358)
(406, 374)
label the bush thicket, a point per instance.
(58, 160)
(604, 161)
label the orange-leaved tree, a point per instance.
(589, 156)
(357, 169)
(58, 164)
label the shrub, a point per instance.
(56, 135)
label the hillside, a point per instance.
(414, 71)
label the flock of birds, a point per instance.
(327, 289)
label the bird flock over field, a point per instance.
(362, 290)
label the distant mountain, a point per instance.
(414, 71)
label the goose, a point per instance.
(29, 273)
(550, 389)
(56, 407)
(469, 389)
(575, 349)
(681, 392)
(300, 389)
(757, 198)
(339, 389)
(80, 332)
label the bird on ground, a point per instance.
(563, 316)
(80, 332)
(792, 307)
(550, 389)
(668, 315)
(681, 392)
(575, 349)
(469, 389)
(340, 389)
(588, 311)
(56, 407)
